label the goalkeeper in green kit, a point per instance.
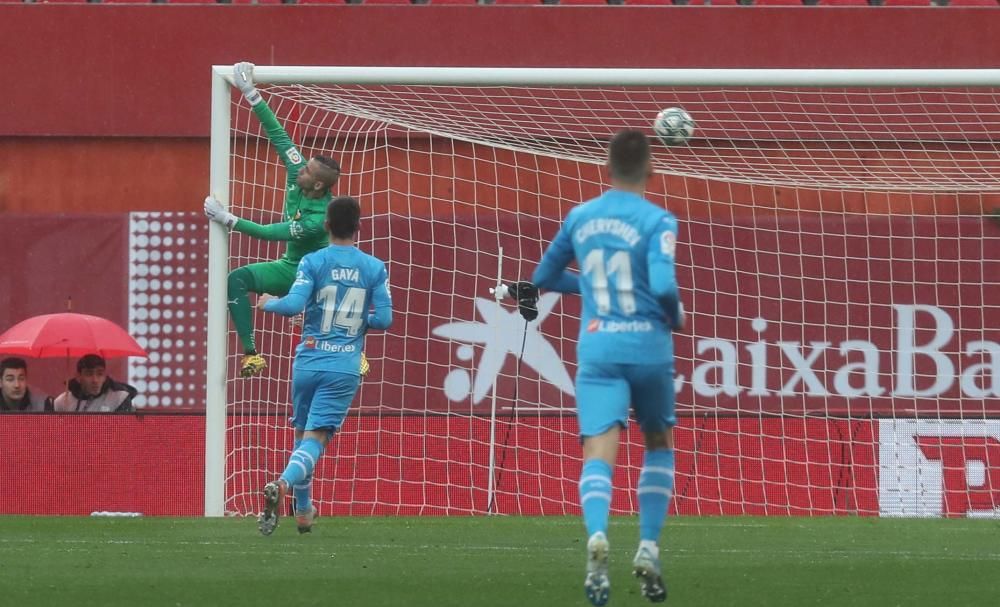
(307, 194)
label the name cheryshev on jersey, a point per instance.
(615, 227)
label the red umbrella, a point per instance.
(70, 335)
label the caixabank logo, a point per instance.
(923, 363)
(501, 333)
(939, 468)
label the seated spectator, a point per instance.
(15, 394)
(93, 391)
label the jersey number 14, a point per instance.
(349, 313)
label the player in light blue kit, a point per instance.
(337, 287)
(624, 246)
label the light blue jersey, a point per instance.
(337, 287)
(624, 247)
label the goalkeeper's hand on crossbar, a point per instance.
(243, 79)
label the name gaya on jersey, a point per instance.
(336, 275)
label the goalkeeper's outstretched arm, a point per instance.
(307, 227)
(287, 152)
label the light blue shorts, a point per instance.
(605, 391)
(320, 399)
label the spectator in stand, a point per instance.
(93, 391)
(15, 394)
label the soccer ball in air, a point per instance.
(674, 126)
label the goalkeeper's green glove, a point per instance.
(243, 79)
(526, 295)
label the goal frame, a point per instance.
(220, 147)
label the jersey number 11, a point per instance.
(618, 267)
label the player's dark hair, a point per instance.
(90, 361)
(628, 156)
(13, 363)
(333, 174)
(343, 217)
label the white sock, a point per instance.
(651, 546)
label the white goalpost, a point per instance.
(837, 257)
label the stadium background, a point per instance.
(106, 112)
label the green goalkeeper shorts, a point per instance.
(272, 277)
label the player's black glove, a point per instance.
(526, 295)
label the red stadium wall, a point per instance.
(144, 70)
(106, 111)
(91, 73)
(724, 466)
(57, 263)
(78, 464)
(170, 174)
(759, 463)
(742, 457)
(153, 464)
(102, 174)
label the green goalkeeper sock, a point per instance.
(240, 282)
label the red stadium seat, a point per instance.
(973, 3)
(397, 2)
(584, 2)
(906, 3)
(681, 2)
(709, 2)
(777, 2)
(843, 3)
(510, 2)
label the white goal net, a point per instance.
(842, 354)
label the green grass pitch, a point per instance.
(485, 561)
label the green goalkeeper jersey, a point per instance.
(302, 225)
